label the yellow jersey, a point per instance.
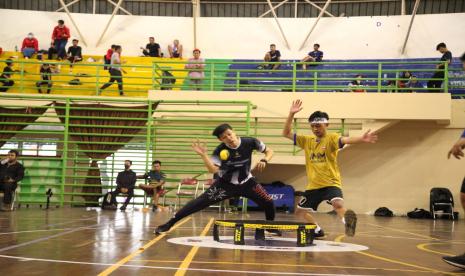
(321, 159)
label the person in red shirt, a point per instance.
(60, 37)
(107, 57)
(30, 46)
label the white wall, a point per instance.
(354, 37)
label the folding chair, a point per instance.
(187, 188)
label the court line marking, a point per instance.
(422, 246)
(176, 268)
(33, 231)
(190, 256)
(406, 232)
(289, 265)
(126, 259)
(339, 239)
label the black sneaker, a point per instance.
(351, 222)
(458, 261)
(123, 208)
(163, 228)
(154, 208)
(273, 232)
(319, 235)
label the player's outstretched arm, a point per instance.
(201, 149)
(368, 137)
(457, 149)
(295, 107)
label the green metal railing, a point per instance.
(87, 78)
(58, 146)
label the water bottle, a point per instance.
(16, 48)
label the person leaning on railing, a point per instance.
(5, 77)
(11, 172)
(196, 67)
(435, 85)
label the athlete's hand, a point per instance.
(369, 137)
(296, 107)
(457, 149)
(199, 148)
(260, 166)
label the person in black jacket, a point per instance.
(5, 77)
(11, 172)
(125, 183)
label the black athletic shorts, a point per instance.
(462, 190)
(312, 198)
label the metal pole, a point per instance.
(402, 7)
(318, 7)
(279, 25)
(94, 6)
(121, 8)
(109, 21)
(74, 23)
(194, 17)
(415, 8)
(295, 8)
(64, 153)
(67, 5)
(314, 24)
(275, 7)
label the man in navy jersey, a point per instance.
(314, 56)
(231, 161)
(457, 152)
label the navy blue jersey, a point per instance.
(155, 176)
(235, 164)
(317, 55)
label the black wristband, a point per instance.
(264, 160)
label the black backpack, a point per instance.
(383, 212)
(109, 202)
(419, 214)
(440, 195)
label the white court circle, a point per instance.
(271, 244)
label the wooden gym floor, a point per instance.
(74, 241)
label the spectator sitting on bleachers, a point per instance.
(107, 56)
(435, 85)
(125, 183)
(414, 84)
(156, 179)
(52, 50)
(5, 78)
(45, 78)
(175, 50)
(30, 46)
(152, 49)
(74, 53)
(357, 84)
(272, 56)
(314, 56)
(60, 37)
(404, 78)
(196, 67)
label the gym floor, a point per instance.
(79, 241)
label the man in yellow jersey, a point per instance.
(324, 179)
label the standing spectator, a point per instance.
(435, 85)
(74, 53)
(175, 50)
(196, 67)
(107, 57)
(60, 37)
(414, 84)
(357, 84)
(116, 72)
(45, 78)
(30, 46)
(152, 49)
(272, 56)
(314, 56)
(5, 78)
(156, 179)
(11, 172)
(125, 183)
